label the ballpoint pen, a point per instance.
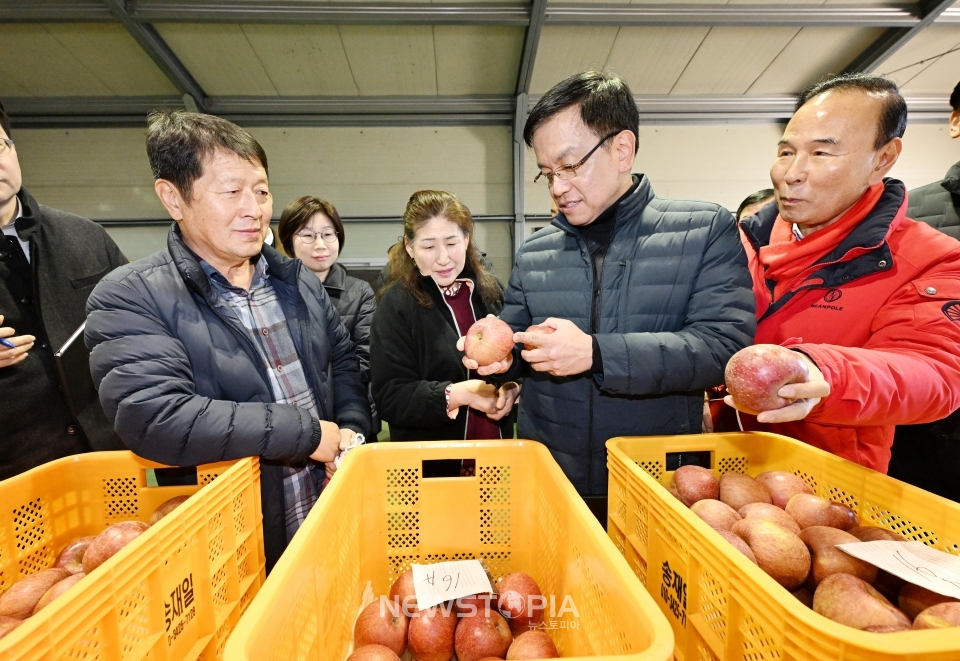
(7, 343)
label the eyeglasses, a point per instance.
(328, 235)
(568, 172)
(6, 145)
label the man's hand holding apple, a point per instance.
(563, 351)
(774, 383)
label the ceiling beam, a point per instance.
(893, 39)
(54, 11)
(531, 42)
(66, 112)
(158, 51)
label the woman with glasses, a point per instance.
(311, 230)
(438, 286)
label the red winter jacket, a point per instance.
(880, 316)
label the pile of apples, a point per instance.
(482, 627)
(780, 525)
(30, 595)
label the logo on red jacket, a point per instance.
(832, 295)
(952, 311)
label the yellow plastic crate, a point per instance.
(733, 610)
(129, 608)
(384, 511)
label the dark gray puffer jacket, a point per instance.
(183, 383)
(675, 303)
(938, 204)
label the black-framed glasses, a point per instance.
(6, 146)
(329, 236)
(568, 172)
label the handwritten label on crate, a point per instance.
(914, 562)
(673, 591)
(180, 610)
(441, 581)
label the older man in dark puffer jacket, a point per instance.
(220, 347)
(648, 297)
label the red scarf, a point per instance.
(786, 258)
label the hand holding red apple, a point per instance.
(496, 367)
(564, 352)
(774, 383)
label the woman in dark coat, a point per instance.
(311, 230)
(438, 287)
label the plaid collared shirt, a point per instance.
(259, 311)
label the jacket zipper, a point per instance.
(594, 323)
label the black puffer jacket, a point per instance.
(928, 456)
(356, 303)
(46, 298)
(184, 385)
(413, 358)
(674, 304)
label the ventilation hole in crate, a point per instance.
(403, 540)
(239, 514)
(494, 518)
(403, 520)
(549, 535)
(120, 487)
(207, 478)
(134, 623)
(497, 563)
(494, 474)
(618, 540)
(638, 523)
(243, 569)
(621, 509)
(808, 478)
(215, 546)
(838, 495)
(704, 653)
(447, 557)
(30, 526)
(246, 599)
(89, 645)
(619, 490)
(221, 595)
(222, 634)
(399, 564)
(37, 560)
(495, 495)
(654, 468)
(884, 518)
(638, 566)
(713, 604)
(951, 547)
(402, 498)
(404, 478)
(121, 499)
(595, 622)
(732, 465)
(496, 537)
(758, 645)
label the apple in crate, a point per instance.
(940, 616)
(520, 601)
(693, 483)
(22, 597)
(755, 375)
(373, 653)
(431, 632)
(482, 635)
(382, 623)
(71, 557)
(403, 592)
(533, 644)
(110, 541)
(849, 600)
(489, 340)
(166, 507)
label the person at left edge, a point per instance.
(219, 347)
(49, 262)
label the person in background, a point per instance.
(868, 298)
(311, 230)
(928, 455)
(648, 297)
(754, 202)
(219, 347)
(438, 288)
(50, 261)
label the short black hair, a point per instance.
(4, 121)
(955, 98)
(893, 114)
(606, 105)
(754, 198)
(179, 141)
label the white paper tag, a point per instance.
(436, 583)
(914, 562)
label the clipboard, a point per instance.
(73, 364)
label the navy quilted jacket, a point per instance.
(675, 303)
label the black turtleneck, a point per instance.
(597, 236)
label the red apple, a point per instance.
(477, 603)
(382, 623)
(489, 340)
(538, 328)
(693, 483)
(755, 375)
(57, 590)
(403, 592)
(166, 507)
(373, 653)
(20, 598)
(430, 634)
(782, 486)
(846, 599)
(110, 541)
(940, 616)
(520, 601)
(914, 599)
(482, 635)
(532, 645)
(71, 557)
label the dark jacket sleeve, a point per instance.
(402, 396)
(361, 329)
(147, 390)
(517, 316)
(352, 410)
(720, 320)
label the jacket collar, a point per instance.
(952, 181)
(337, 278)
(188, 264)
(29, 223)
(629, 208)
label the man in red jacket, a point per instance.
(869, 297)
